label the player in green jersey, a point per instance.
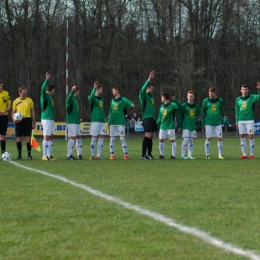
(116, 120)
(166, 123)
(146, 98)
(47, 118)
(73, 124)
(245, 118)
(97, 118)
(211, 117)
(187, 124)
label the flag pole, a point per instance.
(67, 58)
(67, 66)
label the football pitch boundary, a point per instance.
(207, 238)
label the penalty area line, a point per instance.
(206, 237)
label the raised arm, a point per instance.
(44, 86)
(70, 96)
(257, 97)
(93, 92)
(146, 84)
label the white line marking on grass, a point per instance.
(156, 216)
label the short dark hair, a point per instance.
(212, 89)
(166, 95)
(244, 86)
(118, 88)
(50, 87)
(98, 86)
(150, 85)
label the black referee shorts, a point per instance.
(3, 124)
(149, 125)
(24, 128)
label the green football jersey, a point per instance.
(211, 111)
(97, 107)
(147, 102)
(47, 103)
(166, 117)
(245, 107)
(188, 115)
(117, 110)
(72, 107)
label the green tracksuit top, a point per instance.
(117, 108)
(147, 102)
(47, 103)
(166, 117)
(97, 107)
(245, 107)
(211, 111)
(188, 115)
(72, 108)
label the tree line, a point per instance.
(191, 44)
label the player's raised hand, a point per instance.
(96, 83)
(151, 75)
(73, 88)
(258, 84)
(133, 105)
(48, 75)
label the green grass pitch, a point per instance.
(45, 218)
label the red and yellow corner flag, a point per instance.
(34, 143)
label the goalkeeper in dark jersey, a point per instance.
(146, 98)
(187, 124)
(47, 118)
(211, 117)
(245, 118)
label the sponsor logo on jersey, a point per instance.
(165, 112)
(192, 112)
(244, 104)
(100, 104)
(213, 107)
(115, 107)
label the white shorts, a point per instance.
(117, 130)
(97, 128)
(74, 129)
(167, 134)
(213, 131)
(188, 133)
(48, 127)
(246, 127)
